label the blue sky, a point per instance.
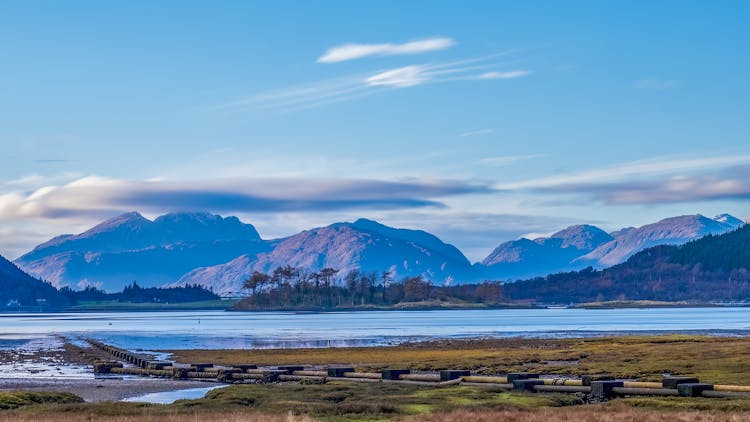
(478, 121)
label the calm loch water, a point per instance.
(217, 329)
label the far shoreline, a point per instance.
(408, 306)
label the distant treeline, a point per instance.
(713, 268)
(292, 287)
(137, 294)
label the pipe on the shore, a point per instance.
(369, 375)
(311, 373)
(631, 391)
(485, 379)
(642, 384)
(737, 388)
(420, 377)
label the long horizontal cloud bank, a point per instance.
(643, 183)
(731, 184)
(95, 196)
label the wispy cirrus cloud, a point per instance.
(360, 85)
(104, 196)
(505, 160)
(511, 74)
(478, 132)
(347, 52)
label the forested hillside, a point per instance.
(713, 268)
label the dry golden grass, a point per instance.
(577, 414)
(195, 417)
(713, 359)
(601, 413)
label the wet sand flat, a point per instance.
(104, 389)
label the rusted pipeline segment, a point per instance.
(420, 377)
(737, 388)
(562, 388)
(641, 384)
(311, 373)
(485, 379)
(356, 379)
(630, 391)
(409, 382)
(368, 375)
(317, 379)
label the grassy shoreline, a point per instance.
(640, 357)
(713, 359)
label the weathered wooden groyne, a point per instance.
(599, 386)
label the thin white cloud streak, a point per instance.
(401, 77)
(478, 132)
(357, 86)
(629, 169)
(511, 74)
(347, 52)
(507, 159)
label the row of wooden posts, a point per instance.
(600, 386)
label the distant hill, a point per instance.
(219, 252)
(131, 248)
(578, 247)
(545, 255)
(364, 245)
(712, 268)
(18, 289)
(670, 231)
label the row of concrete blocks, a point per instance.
(608, 388)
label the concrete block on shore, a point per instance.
(693, 389)
(227, 375)
(105, 367)
(526, 384)
(272, 375)
(180, 373)
(244, 367)
(155, 364)
(339, 371)
(673, 382)
(587, 379)
(290, 368)
(453, 374)
(393, 374)
(200, 367)
(603, 389)
(513, 376)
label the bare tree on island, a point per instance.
(256, 281)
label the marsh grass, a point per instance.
(332, 401)
(712, 359)
(590, 413)
(20, 398)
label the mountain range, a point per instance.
(131, 248)
(219, 252)
(712, 268)
(581, 246)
